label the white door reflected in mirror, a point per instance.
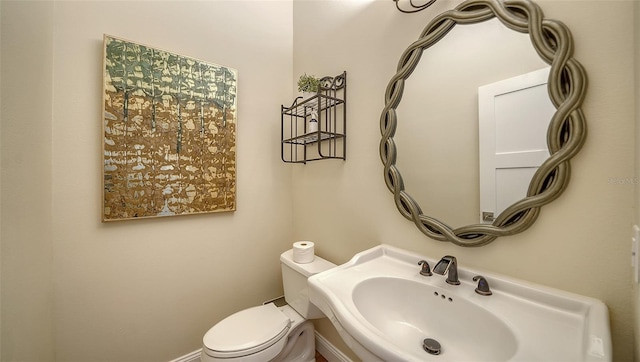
(514, 115)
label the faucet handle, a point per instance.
(426, 271)
(483, 285)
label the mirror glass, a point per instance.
(437, 135)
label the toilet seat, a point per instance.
(247, 332)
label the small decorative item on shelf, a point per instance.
(313, 123)
(308, 85)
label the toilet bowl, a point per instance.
(267, 332)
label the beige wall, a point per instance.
(27, 289)
(636, 290)
(579, 243)
(75, 289)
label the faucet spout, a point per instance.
(448, 265)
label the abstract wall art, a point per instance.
(169, 133)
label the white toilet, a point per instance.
(269, 333)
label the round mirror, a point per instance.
(430, 144)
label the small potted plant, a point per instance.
(308, 84)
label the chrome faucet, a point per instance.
(448, 265)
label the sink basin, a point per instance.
(406, 319)
(385, 310)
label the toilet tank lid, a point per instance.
(247, 330)
(318, 264)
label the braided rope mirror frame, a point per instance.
(566, 133)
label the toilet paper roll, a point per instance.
(303, 252)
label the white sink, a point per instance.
(384, 310)
(400, 308)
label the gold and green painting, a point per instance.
(169, 125)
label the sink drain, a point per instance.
(431, 346)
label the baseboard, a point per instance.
(190, 357)
(326, 349)
(329, 351)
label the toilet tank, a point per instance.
(294, 280)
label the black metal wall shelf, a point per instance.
(302, 145)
